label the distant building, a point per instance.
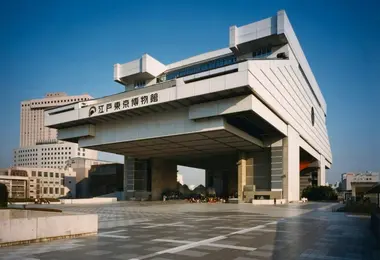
(32, 128)
(38, 182)
(52, 154)
(17, 186)
(350, 177)
(39, 145)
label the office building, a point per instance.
(17, 186)
(251, 114)
(25, 182)
(39, 147)
(32, 128)
(348, 178)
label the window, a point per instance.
(45, 174)
(45, 190)
(56, 190)
(51, 190)
(139, 84)
(57, 175)
(214, 64)
(312, 116)
(62, 191)
(51, 175)
(33, 173)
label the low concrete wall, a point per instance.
(25, 226)
(89, 201)
(32, 203)
(268, 202)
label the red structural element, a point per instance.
(304, 164)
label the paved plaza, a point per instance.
(158, 231)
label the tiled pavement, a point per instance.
(216, 231)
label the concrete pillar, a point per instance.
(164, 177)
(277, 165)
(291, 165)
(209, 178)
(322, 171)
(242, 175)
(129, 177)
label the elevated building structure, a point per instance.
(252, 115)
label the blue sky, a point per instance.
(71, 46)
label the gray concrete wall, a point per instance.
(164, 176)
(262, 170)
(276, 166)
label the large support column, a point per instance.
(277, 166)
(135, 178)
(242, 175)
(291, 157)
(322, 171)
(129, 177)
(164, 177)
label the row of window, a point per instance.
(56, 148)
(56, 101)
(47, 149)
(25, 155)
(46, 174)
(28, 159)
(51, 191)
(26, 164)
(262, 52)
(139, 84)
(221, 62)
(59, 153)
(54, 162)
(27, 151)
(55, 158)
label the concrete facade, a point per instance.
(82, 166)
(350, 177)
(17, 186)
(251, 114)
(25, 226)
(40, 182)
(32, 128)
(39, 147)
(50, 155)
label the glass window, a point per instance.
(51, 190)
(51, 175)
(57, 175)
(56, 190)
(45, 190)
(33, 173)
(45, 174)
(62, 191)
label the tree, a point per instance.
(318, 193)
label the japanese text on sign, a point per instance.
(127, 103)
